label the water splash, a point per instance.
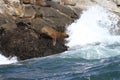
(4, 60)
(93, 26)
(93, 35)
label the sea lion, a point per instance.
(18, 8)
(13, 8)
(49, 31)
(23, 11)
(34, 2)
(28, 13)
(67, 2)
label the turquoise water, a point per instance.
(93, 54)
(57, 68)
(67, 66)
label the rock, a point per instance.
(109, 4)
(2, 19)
(65, 10)
(117, 2)
(26, 44)
(29, 12)
(20, 36)
(112, 5)
(9, 26)
(50, 17)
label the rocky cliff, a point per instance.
(20, 34)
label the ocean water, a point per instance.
(93, 54)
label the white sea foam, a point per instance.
(95, 25)
(5, 60)
(93, 35)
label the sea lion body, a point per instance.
(53, 33)
(67, 2)
(34, 2)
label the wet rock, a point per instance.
(20, 36)
(65, 10)
(26, 44)
(9, 26)
(117, 2)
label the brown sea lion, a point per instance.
(29, 13)
(23, 11)
(18, 8)
(49, 31)
(34, 2)
(67, 2)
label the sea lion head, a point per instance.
(64, 35)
